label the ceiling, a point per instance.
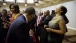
(34, 3)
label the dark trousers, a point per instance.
(37, 34)
(43, 36)
(43, 40)
(1, 36)
(5, 30)
(54, 42)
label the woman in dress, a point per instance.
(57, 26)
(14, 8)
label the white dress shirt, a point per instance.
(25, 18)
(37, 19)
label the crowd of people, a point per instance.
(29, 27)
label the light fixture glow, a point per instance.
(9, 0)
(36, 4)
(40, 2)
(21, 1)
(4, 3)
(25, 4)
(30, 1)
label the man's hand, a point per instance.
(31, 32)
(48, 29)
(45, 26)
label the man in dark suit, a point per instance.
(19, 29)
(44, 21)
(39, 17)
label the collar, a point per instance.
(40, 17)
(25, 18)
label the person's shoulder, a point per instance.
(60, 18)
(21, 18)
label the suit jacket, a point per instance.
(44, 20)
(32, 22)
(18, 31)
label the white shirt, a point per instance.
(25, 18)
(37, 19)
(40, 17)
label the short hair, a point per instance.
(48, 12)
(16, 7)
(30, 10)
(64, 10)
(4, 10)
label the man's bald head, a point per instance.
(48, 12)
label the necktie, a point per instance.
(38, 20)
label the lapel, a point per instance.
(23, 17)
(25, 21)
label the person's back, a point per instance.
(17, 30)
(43, 32)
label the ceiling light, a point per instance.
(21, 1)
(40, 2)
(35, 0)
(47, 0)
(36, 4)
(4, 3)
(30, 1)
(10, 0)
(25, 4)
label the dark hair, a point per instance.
(4, 10)
(30, 10)
(16, 8)
(48, 12)
(64, 10)
(53, 12)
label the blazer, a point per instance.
(45, 20)
(18, 31)
(43, 31)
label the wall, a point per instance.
(71, 14)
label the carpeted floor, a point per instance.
(70, 36)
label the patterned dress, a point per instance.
(54, 37)
(14, 16)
